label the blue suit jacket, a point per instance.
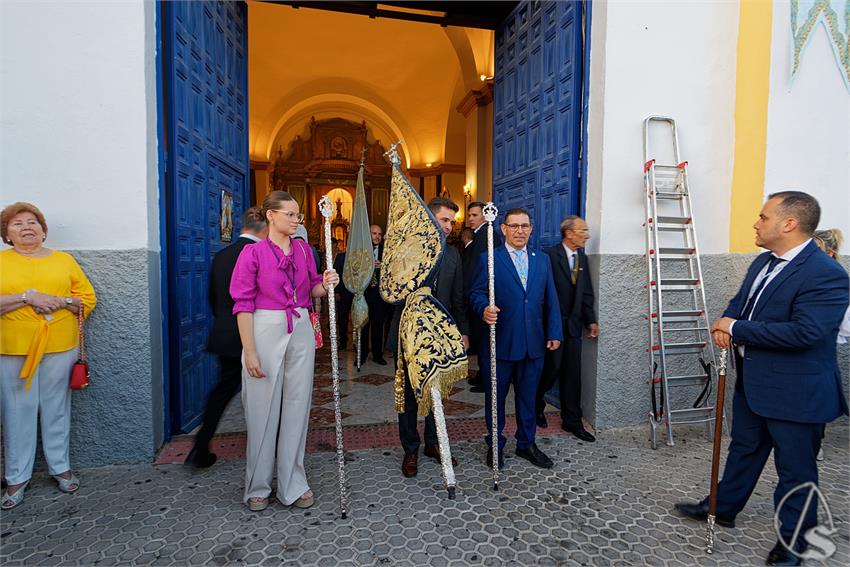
(527, 317)
(790, 366)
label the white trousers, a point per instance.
(49, 398)
(277, 407)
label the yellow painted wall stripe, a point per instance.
(751, 99)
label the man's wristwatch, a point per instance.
(24, 298)
(69, 301)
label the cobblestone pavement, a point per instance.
(606, 503)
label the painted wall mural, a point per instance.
(835, 17)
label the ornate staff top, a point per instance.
(721, 367)
(326, 207)
(490, 211)
(362, 157)
(393, 154)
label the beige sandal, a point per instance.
(258, 504)
(305, 501)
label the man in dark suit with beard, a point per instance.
(448, 289)
(781, 329)
(373, 331)
(471, 255)
(224, 338)
(575, 296)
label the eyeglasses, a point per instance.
(297, 217)
(515, 227)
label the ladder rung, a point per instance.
(693, 380)
(669, 195)
(691, 415)
(676, 253)
(671, 227)
(685, 330)
(673, 168)
(684, 348)
(681, 316)
(674, 220)
(679, 285)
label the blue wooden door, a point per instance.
(537, 113)
(206, 107)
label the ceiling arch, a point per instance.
(322, 96)
(401, 77)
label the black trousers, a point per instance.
(794, 446)
(229, 383)
(373, 331)
(407, 422)
(564, 365)
(343, 311)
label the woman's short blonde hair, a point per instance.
(15, 209)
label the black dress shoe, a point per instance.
(541, 420)
(779, 555)
(433, 451)
(535, 456)
(699, 512)
(490, 459)
(200, 459)
(581, 433)
(380, 361)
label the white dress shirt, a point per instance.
(571, 256)
(788, 256)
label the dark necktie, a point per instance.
(751, 302)
(574, 268)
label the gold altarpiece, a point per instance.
(329, 159)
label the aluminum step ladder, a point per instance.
(682, 369)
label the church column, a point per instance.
(477, 108)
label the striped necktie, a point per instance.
(751, 302)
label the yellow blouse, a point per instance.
(56, 274)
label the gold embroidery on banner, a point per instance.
(413, 245)
(431, 347)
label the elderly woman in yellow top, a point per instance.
(41, 293)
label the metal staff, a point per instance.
(715, 453)
(490, 211)
(443, 438)
(326, 208)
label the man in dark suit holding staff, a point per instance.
(781, 327)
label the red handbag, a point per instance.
(80, 370)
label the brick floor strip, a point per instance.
(231, 446)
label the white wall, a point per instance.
(808, 124)
(675, 59)
(77, 123)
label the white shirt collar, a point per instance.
(568, 250)
(791, 254)
(483, 224)
(511, 249)
(249, 237)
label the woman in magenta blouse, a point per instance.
(273, 284)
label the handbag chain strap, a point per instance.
(82, 339)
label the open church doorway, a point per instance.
(263, 95)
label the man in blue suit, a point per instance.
(781, 326)
(528, 322)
